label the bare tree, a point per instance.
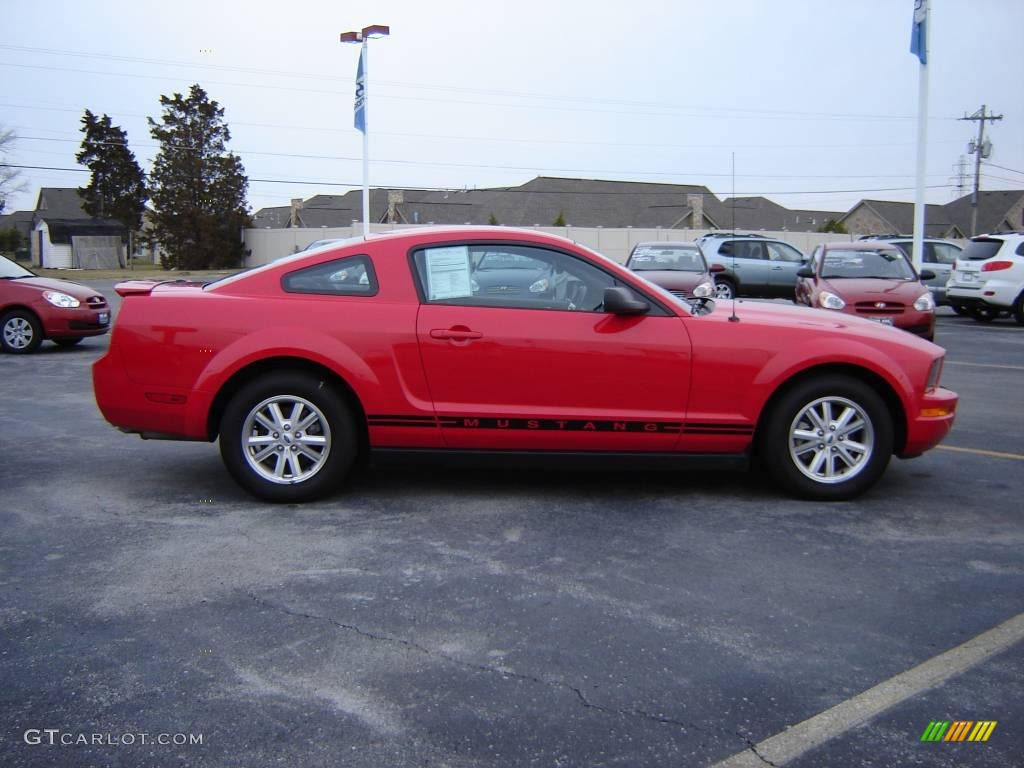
(9, 175)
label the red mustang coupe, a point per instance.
(34, 308)
(871, 280)
(403, 343)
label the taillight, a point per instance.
(995, 266)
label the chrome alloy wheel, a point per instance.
(286, 439)
(18, 333)
(831, 440)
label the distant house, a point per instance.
(998, 210)
(760, 213)
(20, 221)
(63, 235)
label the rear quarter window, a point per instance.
(351, 276)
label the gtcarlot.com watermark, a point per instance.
(54, 737)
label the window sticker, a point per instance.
(448, 273)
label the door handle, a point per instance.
(779, 269)
(455, 334)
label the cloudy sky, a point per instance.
(816, 99)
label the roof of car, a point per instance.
(669, 243)
(873, 245)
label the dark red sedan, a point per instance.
(679, 268)
(393, 344)
(870, 280)
(34, 308)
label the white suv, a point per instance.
(989, 277)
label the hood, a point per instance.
(674, 280)
(785, 316)
(76, 290)
(852, 290)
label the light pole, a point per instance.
(362, 78)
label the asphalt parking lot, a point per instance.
(434, 617)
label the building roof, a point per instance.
(993, 209)
(19, 220)
(900, 217)
(62, 230)
(60, 203)
(272, 218)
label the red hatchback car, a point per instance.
(871, 280)
(394, 344)
(34, 308)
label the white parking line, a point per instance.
(980, 452)
(793, 742)
(987, 365)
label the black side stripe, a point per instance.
(559, 425)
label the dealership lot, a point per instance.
(453, 618)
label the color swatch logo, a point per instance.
(958, 730)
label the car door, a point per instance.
(752, 267)
(784, 261)
(541, 365)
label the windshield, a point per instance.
(666, 258)
(11, 271)
(883, 264)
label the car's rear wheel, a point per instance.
(724, 288)
(828, 438)
(67, 342)
(960, 309)
(984, 314)
(288, 437)
(20, 332)
(1018, 309)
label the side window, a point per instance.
(510, 276)
(351, 276)
(783, 252)
(726, 249)
(946, 253)
(750, 250)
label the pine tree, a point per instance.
(197, 186)
(559, 220)
(117, 189)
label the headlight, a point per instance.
(59, 299)
(540, 286)
(933, 374)
(925, 302)
(703, 290)
(830, 300)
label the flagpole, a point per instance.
(922, 139)
(366, 138)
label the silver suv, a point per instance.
(939, 257)
(988, 280)
(752, 265)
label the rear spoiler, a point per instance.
(145, 287)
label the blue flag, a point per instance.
(918, 33)
(360, 106)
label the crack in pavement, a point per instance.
(753, 748)
(478, 667)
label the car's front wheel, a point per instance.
(288, 437)
(724, 289)
(828, 438)
(1018, 309)
(20, 332)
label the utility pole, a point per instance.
(980, 148)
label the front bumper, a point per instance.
(932, 421)
(74, 323)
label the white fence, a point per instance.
(268, 244)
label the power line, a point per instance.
(525, 191)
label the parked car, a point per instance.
(871, 280)
(939, 257)
(679, 268)
(752, 265)
(34, 308)
(298, 374)
(988, 280)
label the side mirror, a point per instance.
(619, 300)
(805, 272)
(927, 274)
(714, 269)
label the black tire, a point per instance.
(333, 427)
(984, 314)
(725, 289)
(20, 332)
(779, 447)
(960, 309)
(1018, 309)
(67, 342)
